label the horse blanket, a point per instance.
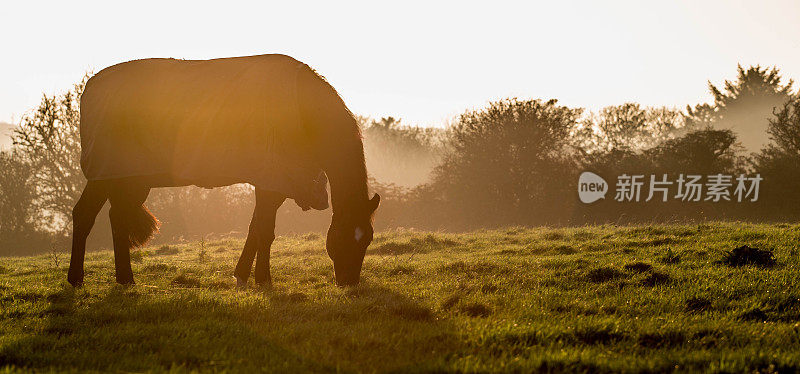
(203, 122)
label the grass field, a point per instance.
(588, 299)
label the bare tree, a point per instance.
(48, 139)
(17, 214)
(631, 127)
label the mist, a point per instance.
(5, 135)
(513, 162)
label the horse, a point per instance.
(267, 120)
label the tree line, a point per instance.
(514, 162)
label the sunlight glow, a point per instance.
(422, 61)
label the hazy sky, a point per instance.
(423, 61)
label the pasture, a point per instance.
(586, 299)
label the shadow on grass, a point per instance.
(133, 329)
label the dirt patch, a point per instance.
(603, 274)
(656, 279)
(638, 267)
(597, 335)
(661, 340)
(698, 304)
(475, 310)
(745, 255)
(755, 315)
(451, 301)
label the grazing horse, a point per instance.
(267, 120)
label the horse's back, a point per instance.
(204, 122)
(143, 92)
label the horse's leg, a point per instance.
(245, 263)
(92, 198)
(131, 225)
(270, 203)
(263, 222)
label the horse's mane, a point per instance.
(347, 147)
(330, 87)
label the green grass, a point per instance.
(587, 299)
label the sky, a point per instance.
(426, 61)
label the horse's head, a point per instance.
(348, 239)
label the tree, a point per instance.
(509, 162)
(779, 162)
(48, 140)
(784, 130)
(745, 105)
(20, 232)
(631, 127)
(17, 213)
(703, 152)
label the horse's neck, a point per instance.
(348, 176)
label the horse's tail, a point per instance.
(129, 215)
(141, 225)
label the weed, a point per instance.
(55, 254)
(202, 255)
(137, 256)
(166, 250)
(670, 257)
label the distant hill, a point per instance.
(5, 135)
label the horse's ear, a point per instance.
(374, 202)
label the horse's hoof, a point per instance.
(264, 284)
(241, 283)
(75, 280)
